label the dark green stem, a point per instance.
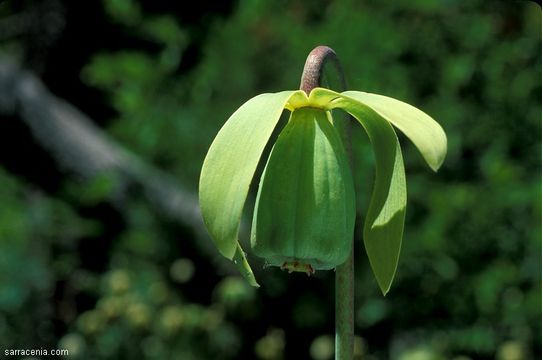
(315, 76)
(344, 310)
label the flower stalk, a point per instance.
(314, 76)
(305, 208)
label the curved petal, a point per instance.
(230, 165)
(322, 98)
(383, 229)
(420, 128)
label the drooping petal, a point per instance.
(305, 210)
(383, 229)
(240, 260)
(230, 165)
(426, 134)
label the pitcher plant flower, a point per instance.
(305, 207)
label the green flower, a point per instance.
(305, 208)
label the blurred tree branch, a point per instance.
(85, 150)
(14, 25)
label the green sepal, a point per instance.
(426, 134)
(384, 223)
(230, 165)
(240, 261)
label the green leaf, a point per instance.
(230, 165)
(385, 218)
(420, 128)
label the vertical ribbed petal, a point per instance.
(305, 209)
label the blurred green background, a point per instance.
(89, 263)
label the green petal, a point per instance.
(322, 98)
(420, 128)
(384, 223)
(305, 210)
(240, 260)
(230, 165)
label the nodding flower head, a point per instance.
(305, 207)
